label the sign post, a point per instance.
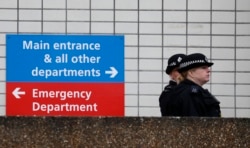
(64, 75)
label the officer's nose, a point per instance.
(208, 69)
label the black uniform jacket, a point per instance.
(190, 99)
(163, 97)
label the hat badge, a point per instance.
(179, 59)
(206, 59)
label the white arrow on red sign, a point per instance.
(113, 72)
(17, 92)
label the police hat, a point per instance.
(174, 61)
(194, 60)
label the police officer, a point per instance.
(189, 98)
(174, 75)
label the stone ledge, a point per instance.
(91, 132)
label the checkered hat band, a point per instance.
(172, 64)
(185, 64)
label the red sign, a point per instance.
(65, 99)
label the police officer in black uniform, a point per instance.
(174, 75)
(189, 98)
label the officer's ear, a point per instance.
(191, 72)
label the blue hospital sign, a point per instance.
(52, 75)
(56, 58)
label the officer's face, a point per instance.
(201, 74)
(175, 75)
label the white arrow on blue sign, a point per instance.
(112, 72)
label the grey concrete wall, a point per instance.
(112, 132)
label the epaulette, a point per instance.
(168, 88)
(194, 89)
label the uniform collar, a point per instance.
(172, 82)
(189, 82)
